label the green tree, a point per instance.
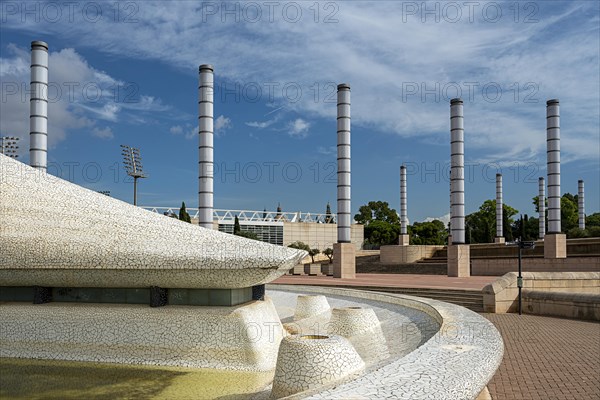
(236, 226)
(312, 253)
(183, 214)
(480, 226)
(299, 245)
(525, 228)
(248, 235)
(592, 220)
(329, 253)
(328, 217)
(376, 211)
(577, 233)
(431, 232)
(569, 217)
(382, 225)
(381, 233)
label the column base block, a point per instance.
(459, 260)
(403, 240)
(555, 245)
(499, 240)
(344, 260)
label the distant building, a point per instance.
(279, 227)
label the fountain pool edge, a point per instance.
(456, 363)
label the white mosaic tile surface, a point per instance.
(77, 237)
(244, 337)
(308, 306)
(306, 362)
(350, 321)
(455, 363)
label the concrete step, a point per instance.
(471, 299)
(408, 268)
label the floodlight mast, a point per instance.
(132, 161)
(8, 146)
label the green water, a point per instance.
(50, 379)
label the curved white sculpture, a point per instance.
(55, 233)
(308, 361)
(350, 321)
(308, 306)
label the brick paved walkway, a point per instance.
(547, 358)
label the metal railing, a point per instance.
(246, 216)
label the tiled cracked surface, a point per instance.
(455, 363)
(74, 237)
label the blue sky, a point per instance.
(128, 75)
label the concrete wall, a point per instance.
(500, 266)
(320, 236)
(406, 254)
(568, 305)
(501, 296)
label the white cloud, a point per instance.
(222, 123)
(298, 128)
(444, 218)
(192, 132)
(104, 133)
(78, 96)
(326, 150)
(379, 66)
(261, 124)
(176, 130)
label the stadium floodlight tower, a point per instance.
(132, 161)
(8, 146)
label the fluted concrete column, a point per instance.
(38, 106)
(404, 238)
(205, 148)
(555, 243)
(457, 171)
(499, 212)
(459, 260)
(344, 263)
(343, 163)
(581, 204)
(553, 162)
(542, 207)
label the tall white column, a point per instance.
(38, 106)
(205, 148)
(555, 242)
(344, 260)
(542, 208)
(581, 204)
(553, 168)
(499, 216)
(343, 163)
(457, 182)
(403, 202)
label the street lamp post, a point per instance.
(522, 245)
(8, 146)
(132, 160)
